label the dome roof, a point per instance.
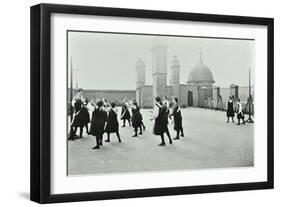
(201, 73)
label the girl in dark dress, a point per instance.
(78, 120)
(136, 117)
(230, 109)
(112, 125)
(99, 118)
(81, 116)
(85, 116)
(125, 115)
(176, 113)
(161, 120)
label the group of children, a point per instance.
(162, 114)
(105, 118)
(230, 110)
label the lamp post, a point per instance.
(250, 120)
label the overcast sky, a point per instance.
(107, 61)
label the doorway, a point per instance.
(189, 98)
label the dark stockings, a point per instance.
(162, 140)
(136, 131)
(87, 129)
(168, 134)
(108, 137)
(242, 120)
(231, 118)
(124, 122)
(140, 130)
(178, 134)
(98, 142)
(142, 125)
(118, 136)
(81, 131)
(101, 138)
(179, 131)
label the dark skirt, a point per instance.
(85, 115)
(230, 109)
(230, 112)
(98, 123)
(159, 127)
(78, 120)
(136, 119)
(125, 114)
(177, 122)
(240, 115)
(161, 123)
(112, 125)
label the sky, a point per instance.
(107, 61)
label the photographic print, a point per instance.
(151, 103)
(130, 103)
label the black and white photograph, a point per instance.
(131, 103)
(140, 103)
(151, 103)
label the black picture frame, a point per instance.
(41, 98)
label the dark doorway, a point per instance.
(189, 98)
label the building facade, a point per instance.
(198, 87)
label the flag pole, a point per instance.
(250, 120)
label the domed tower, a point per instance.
(140, 79)
(201, 74)
(175, 77)
(159, 67)
(202, 77)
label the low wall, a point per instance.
(115, 96)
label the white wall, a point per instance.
(14, 147)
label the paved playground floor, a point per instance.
(209, 142)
